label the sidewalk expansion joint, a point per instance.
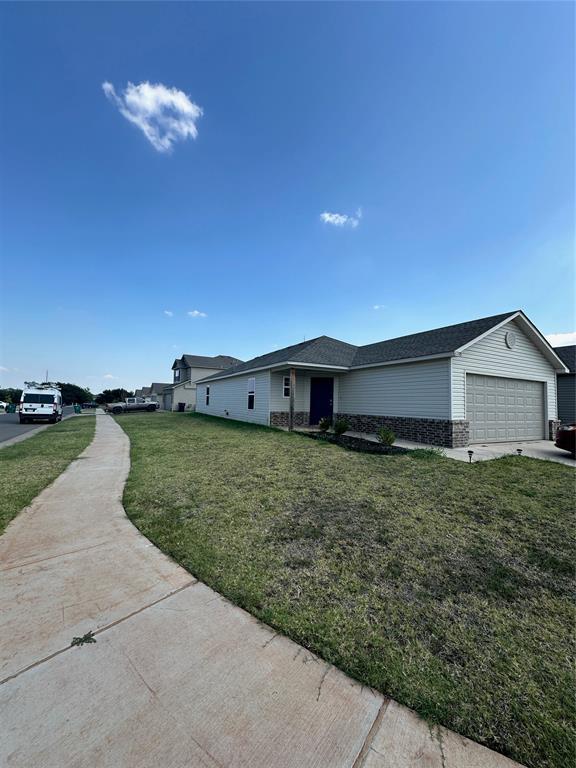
(362, 755)
(99, 631)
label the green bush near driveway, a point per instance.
(26, 468)
(445, 585)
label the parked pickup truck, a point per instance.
(132, 404)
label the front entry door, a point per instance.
(321, 398)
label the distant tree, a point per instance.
(72, 393)
(10, 395)
(113, 395)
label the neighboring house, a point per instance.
(156, 392)
(487, 380)
(143, 392)
(187, 370)
(566, 384)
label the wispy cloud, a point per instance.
(168, 313)
(561, 339)
(342, 219)
(379, 306)
(109, 376)
(164, 115)
(3, 369)
(196, 313)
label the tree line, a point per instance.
(71, 393)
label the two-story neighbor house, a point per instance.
(487, 380)
(187, 370)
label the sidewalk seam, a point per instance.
(98, 631)
(361, 758)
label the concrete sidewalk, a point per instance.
(178, 676)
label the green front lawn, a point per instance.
(26, 468)
(445, 585)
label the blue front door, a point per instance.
(321, 398)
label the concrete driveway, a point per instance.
(535, 449)
(177, 676)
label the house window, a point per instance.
(177, 375)
(207, 395)
(251, 392)
(286, 386)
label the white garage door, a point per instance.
(504, 409)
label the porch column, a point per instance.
(292, 392)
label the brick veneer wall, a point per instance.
(450, 434)
(553, 426)
(280, 418)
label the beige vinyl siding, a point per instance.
(231, 395)
(302, 394)
(491, 357)
(409, 389)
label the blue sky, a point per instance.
(444, 130)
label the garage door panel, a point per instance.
(501, 409)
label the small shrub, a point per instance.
(427, 453)
(324, 424)
(386, 436)
(341, 426)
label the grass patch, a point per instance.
(26, 468)
(446, 585)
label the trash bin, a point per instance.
(181, 407)
(77, 409)
(11, 408)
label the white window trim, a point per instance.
(286, 387)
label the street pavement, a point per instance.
(10, 426)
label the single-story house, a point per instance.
(486, 380)
(142, 392)
(187, 370)
(567, 385)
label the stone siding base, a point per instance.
(553, 426)
(280, 418)
(444, 432)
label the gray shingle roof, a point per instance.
(435, 342)
(158, 387)
(568, 356)
(332, 352)
(322, 351)
(201, 361)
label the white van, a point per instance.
(40, 401)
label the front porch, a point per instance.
(301, 397)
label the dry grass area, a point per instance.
(445, 585)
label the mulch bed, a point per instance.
(354, 443)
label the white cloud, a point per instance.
(4, 370)
(164, 115)
(561, 339)
(109, 376)
(379, 306)
(168, 313)
(342, 219)
(196, 313)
